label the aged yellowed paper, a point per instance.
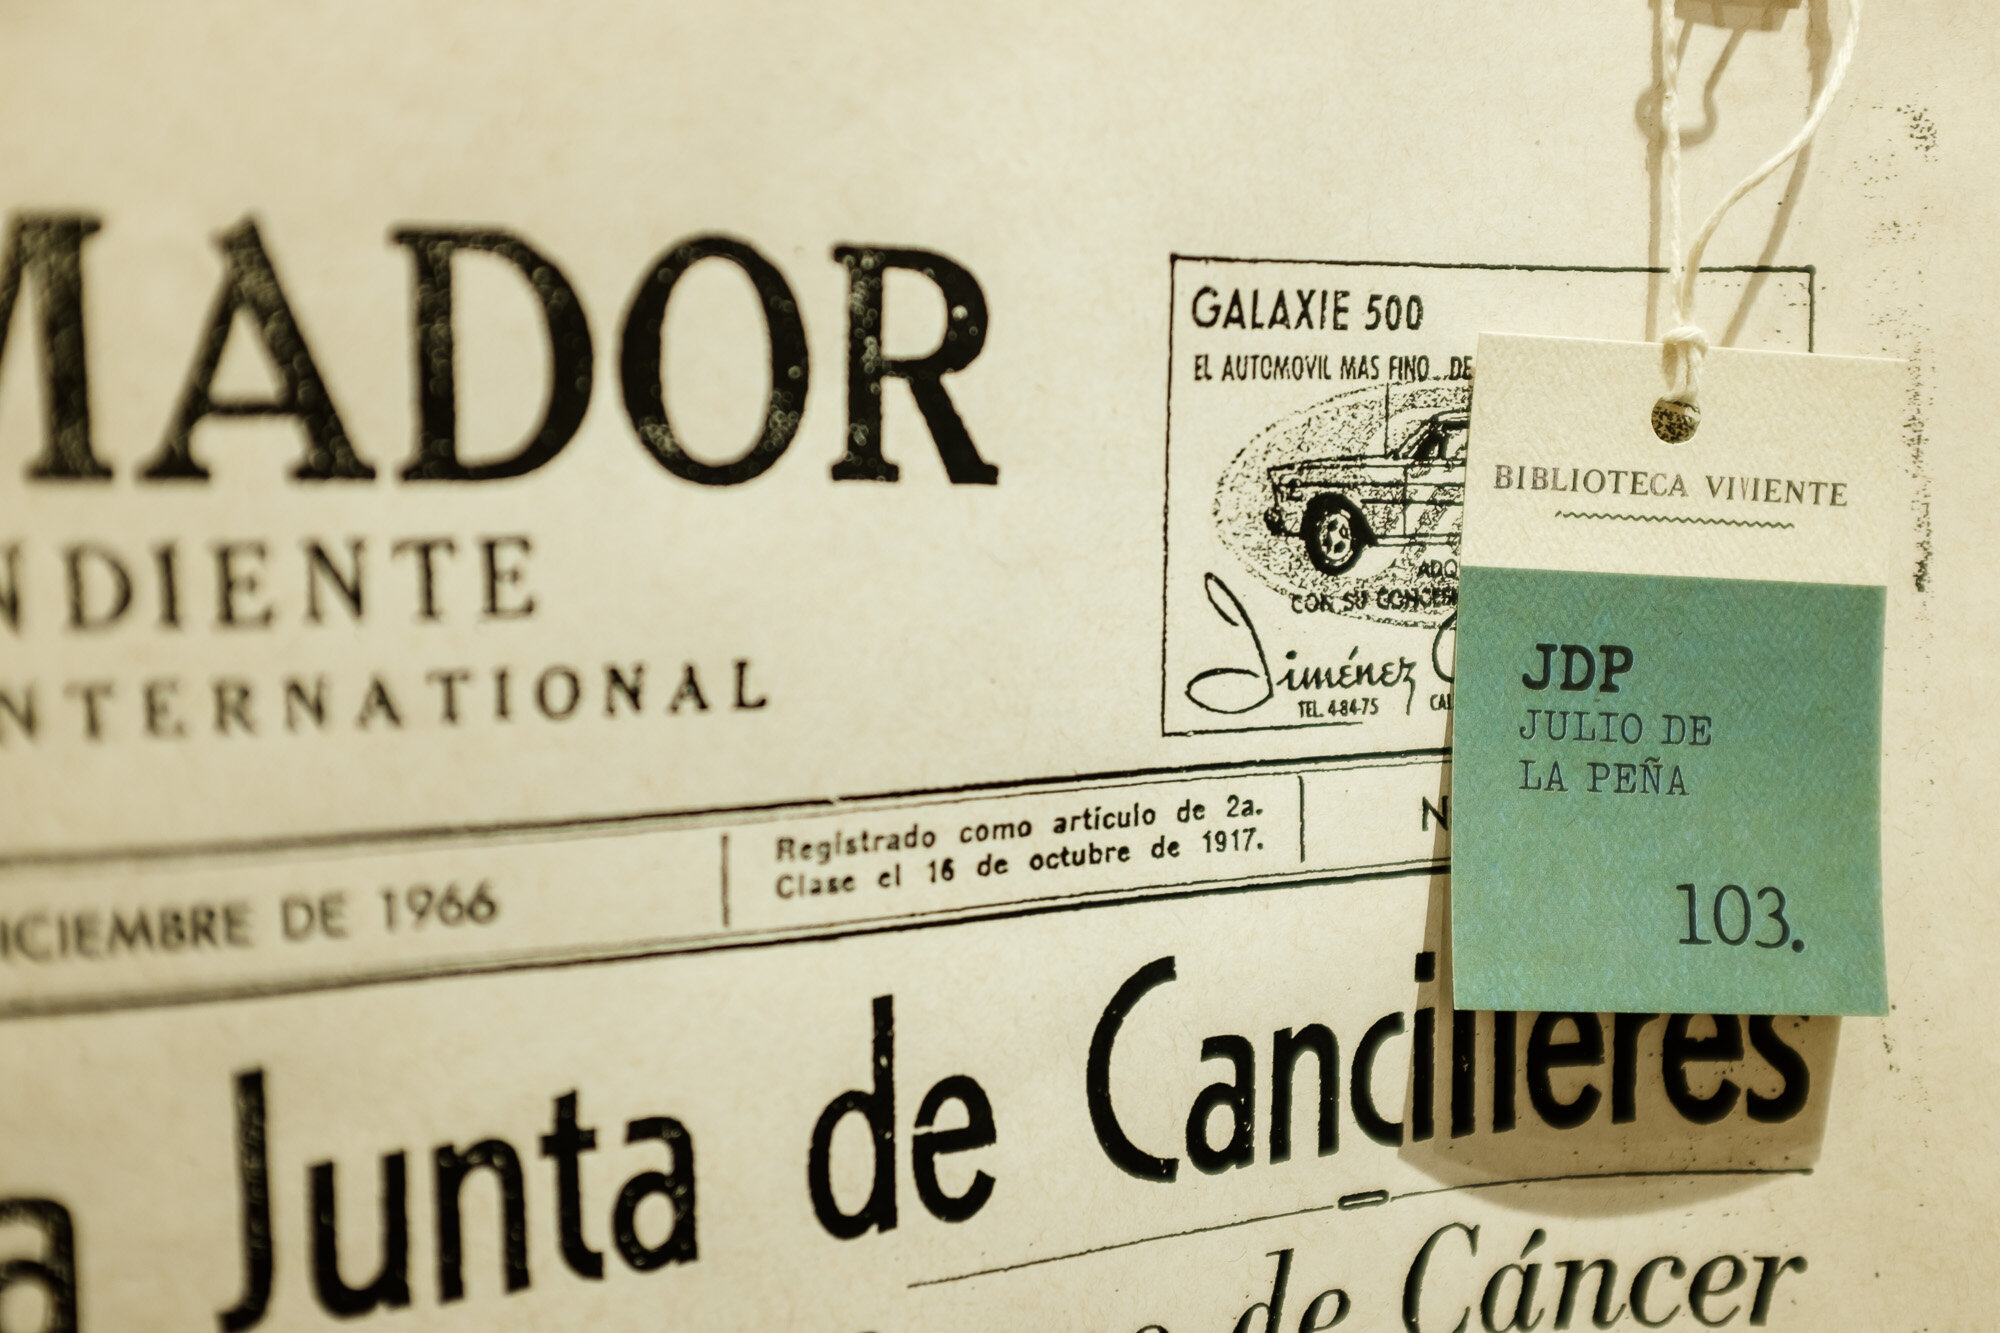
(703, 667)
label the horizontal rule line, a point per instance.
(585, 825)
(1681, 518)
(1807, 269)
(1365, 1198)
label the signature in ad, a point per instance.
(1231, 689)
(1241, 689)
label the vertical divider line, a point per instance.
(725, 881)
(1302, 819)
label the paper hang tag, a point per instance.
(1667, 713)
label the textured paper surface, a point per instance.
(492, 946)
(1597, 836)
(1803, 424)
(1667, 735)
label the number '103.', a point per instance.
(1734, 921)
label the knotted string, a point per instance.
(1686, 341)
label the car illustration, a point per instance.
(1341, 506)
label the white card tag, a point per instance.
(1667, 728)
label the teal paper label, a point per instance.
(1667, 794)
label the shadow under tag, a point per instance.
(1702, 1104)
(1667, 730)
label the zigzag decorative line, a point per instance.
(1681, 518)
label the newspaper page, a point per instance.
(792, 667)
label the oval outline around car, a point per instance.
(1339, 507)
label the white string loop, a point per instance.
(1686, 340)
(1689, 343)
